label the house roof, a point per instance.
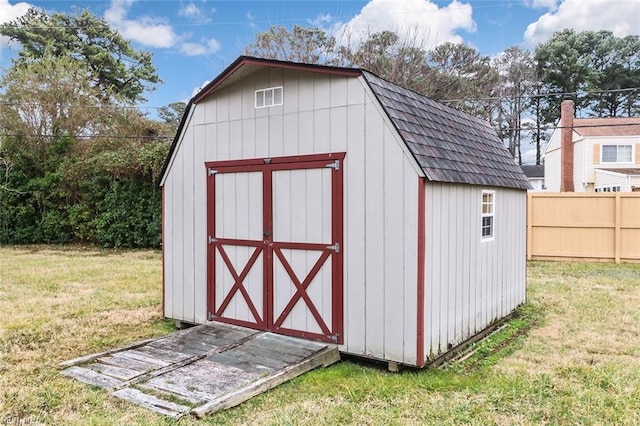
(533, 170)
(613, 126)
(449, 145)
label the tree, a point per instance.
(301, 44)
(615, 62)
(120, 72)
(44, 101)
(463, 75)
(517, 82)
(598, 70)
(66, 172)
(383, 53)
(402, 61)
(171, 114)
(537, 103)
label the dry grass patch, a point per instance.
(56, 304)
(579, 363)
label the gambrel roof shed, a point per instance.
(331, 204)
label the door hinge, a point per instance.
(335, 165)
(211, 316)
(211, 172)
(335, 247)
(212, 240)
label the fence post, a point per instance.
(617, 219)
(529, 224)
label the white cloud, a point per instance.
(10, 12)
(620, 17)
(193, 11)
(189, 10)
(203, 48)
(321, 20)
(550, 5)
(251, 19)
(423, 19)
(145, 30)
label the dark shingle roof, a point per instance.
(450, 145)
(533, 170)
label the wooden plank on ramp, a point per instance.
(201, 370)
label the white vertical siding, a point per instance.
(579, 169)
(320, 114)
(355, 280)
(552, 170)
(374, 236)
(469, 283)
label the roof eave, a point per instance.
(243, 61)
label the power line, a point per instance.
(550, 127)
(462, 100)
(61, 105)
(150, 137)
(543, 95)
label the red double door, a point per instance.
(275, 257)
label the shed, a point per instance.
(330, 204)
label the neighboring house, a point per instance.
(593, 154)
(535, 174)
(330, 204)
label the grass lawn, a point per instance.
(579, 362)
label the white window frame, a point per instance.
(489, 214)
(265, 98)
(617, 145)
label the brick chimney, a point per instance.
(566, 144)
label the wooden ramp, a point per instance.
(202, 369)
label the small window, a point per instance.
(269, 97)
(617, 153)
(608, 189)
(488, 214)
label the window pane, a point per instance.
(624, 153)
(277, 96)
(487, 226)
(268, 99)
(259, 98)
(609, 153)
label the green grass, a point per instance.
(570, 356)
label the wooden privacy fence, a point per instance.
(593, 226)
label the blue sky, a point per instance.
(193, 40)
